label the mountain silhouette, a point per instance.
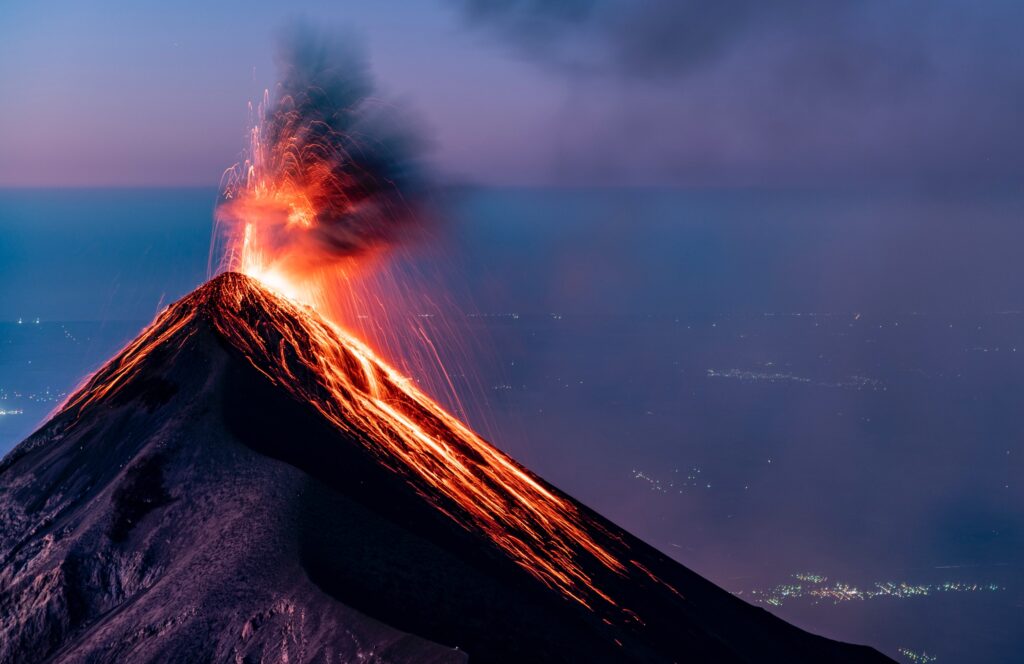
(245, 482)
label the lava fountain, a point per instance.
(325, 204)
(329, 182)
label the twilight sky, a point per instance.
(511, 92)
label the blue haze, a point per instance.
(759, 383)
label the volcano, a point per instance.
(245, 482)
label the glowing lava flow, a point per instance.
(319, 363)
(322, 210)
(310, 214)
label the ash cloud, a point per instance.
(347, 164)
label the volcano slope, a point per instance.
(247, 483)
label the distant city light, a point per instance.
(813, 586)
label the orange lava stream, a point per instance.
(365, 397)
(461, 474)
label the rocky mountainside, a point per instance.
(246, 483)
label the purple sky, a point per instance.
(577, 92)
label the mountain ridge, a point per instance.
(209, 489)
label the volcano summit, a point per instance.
(245, 482)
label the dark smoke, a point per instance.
(792, 91)
(535, 25)
(645, 37)
(326, 134)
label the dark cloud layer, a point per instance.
(753, 91)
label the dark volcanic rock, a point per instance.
(193, 510)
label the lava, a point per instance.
(329, 184)
(360, 394)
(310, 214)
(165, 414)
(326, 203)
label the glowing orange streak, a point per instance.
(548, 517)
(130, 357)
(444, 371)
(655, 578)
(321, 364)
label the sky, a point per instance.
(522, 92)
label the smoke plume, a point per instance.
(331, 171)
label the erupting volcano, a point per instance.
(246, 482)
(249, 481)
(329, 188)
